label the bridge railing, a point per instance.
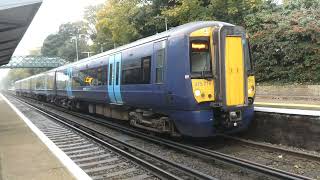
(34, 62)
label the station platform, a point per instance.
(288, 106)
(23, 154)
(285, 108)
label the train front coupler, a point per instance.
(228, 118)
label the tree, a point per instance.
(121, 22)
(51, 45)
(233, 11)
(284, 38)
(187, 11)
(116, 18)
(91, 19)
(62, 44)
(285, 42)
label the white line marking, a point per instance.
(74, 169)
(285, 104)
(288, 111)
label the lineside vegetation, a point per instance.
(285, 37)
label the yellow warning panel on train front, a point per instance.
(234, 69)
(203, 90)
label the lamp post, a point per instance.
(75, 38)
(165, 20)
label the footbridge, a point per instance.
(34, 62)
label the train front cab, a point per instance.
(222, 83)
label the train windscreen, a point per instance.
(200, 58)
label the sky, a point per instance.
(50, 16)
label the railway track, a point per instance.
(272, 148)
(196, 150)
(99, 162)
(82, 151)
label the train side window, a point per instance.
(88, 77)
(146, 64)
(49, 81)
(61, 80)
(38, 83)
(160, 56)
(131, 72)
(110, 74)
(136, 71)
(117, 72)
(76, 80)
(104, 74)
(92, 77)
(101, 75)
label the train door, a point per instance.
(234, 68)
(114, 79)
(55, 92)
(159, 66)
(69, 81)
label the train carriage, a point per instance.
(195, 79)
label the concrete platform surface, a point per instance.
(289, 106)
(22, 154)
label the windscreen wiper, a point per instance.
(204, 76)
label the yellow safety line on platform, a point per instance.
(287, 105)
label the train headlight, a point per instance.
(197, 92)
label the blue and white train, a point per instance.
(195, 80)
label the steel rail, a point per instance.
(80, 128)
(273, 148)
(199, 151)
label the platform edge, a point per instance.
(74, 169)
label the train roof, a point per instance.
(179, 30)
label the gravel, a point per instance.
(213, 168)
(216, 168)
(274, 159)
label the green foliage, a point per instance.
(90, 18)
(122, 21)
(187, 11)
(63, 45)
(284, 37)
(51, 45)
(115, 21)
(286, 42)
(233, 11)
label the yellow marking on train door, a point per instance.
(234, 67)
